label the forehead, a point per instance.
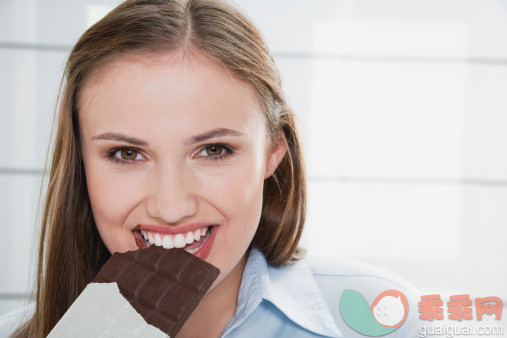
(173, 90)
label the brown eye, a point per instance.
(128, 154)
(213, 150)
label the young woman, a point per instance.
(173, 128)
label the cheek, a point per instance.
(235, 190)
(238, 185)
(112, 195)
(109, 192)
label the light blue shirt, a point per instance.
(298, 300)
(302, 299)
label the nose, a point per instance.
(172, 197)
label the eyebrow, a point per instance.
(219, 132)
(121, 138)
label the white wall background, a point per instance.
(403, 105)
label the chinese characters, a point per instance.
(459, 307)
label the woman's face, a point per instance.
(175, 152)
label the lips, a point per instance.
(195, 238)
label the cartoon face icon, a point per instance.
(390, 308)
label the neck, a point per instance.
(206, 321)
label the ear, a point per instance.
(276, 155)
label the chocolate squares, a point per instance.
(163, 285)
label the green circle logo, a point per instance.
(387, 312)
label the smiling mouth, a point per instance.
(191, 241)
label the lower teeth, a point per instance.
(193, 251)
(202, 244)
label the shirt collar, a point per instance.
(291, 288)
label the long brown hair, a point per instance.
(71, 251)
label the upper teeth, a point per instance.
(174, 241)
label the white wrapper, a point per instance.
(101, 311)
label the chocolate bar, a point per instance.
(163, 285)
